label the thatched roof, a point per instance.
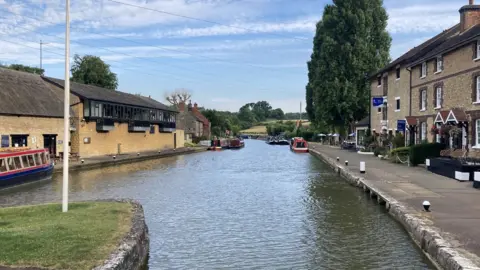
(24, 93)
(101, 94)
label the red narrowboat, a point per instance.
(236, 143)
(299, 145)
(24, 165)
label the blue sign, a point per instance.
(5, 141)
(401, 125)
(377, 101)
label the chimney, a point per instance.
(195, 107)
(181, 106)
(189, 105)
(469, 16)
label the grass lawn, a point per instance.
(43, 236)
(255, 130)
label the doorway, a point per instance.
(19, 140)
(50, 143)
(174, 140)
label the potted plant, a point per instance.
(455, 131)
(445, 130)
(434, 130)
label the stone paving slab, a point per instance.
(455, 205)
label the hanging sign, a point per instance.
(377, 101)
(401, 124)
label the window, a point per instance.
(478, 89)
(17, 162)
(11, 164)
(25, 162)
(379, 109)
(423, 72)
(31, 162)
(43, 157)
(478, 50)
(439, 66)
(3, 165)
(397, 104)
(423, 102)
(477, 139)
(379, 81)
(438, 99)
(423, 131)
(37, 159)
(398, 73)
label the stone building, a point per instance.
(441, 86)
(109, 122)
(31, 113)
(103, 122)
(189, 122)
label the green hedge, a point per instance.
(418, 153)
(399, 153)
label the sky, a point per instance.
(225, 52)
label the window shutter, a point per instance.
(435, 97)
(420, 99)
(426, 99)
(474, 89)
(435, 64)
(474, 47)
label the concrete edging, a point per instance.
(428, 238)
(132, 252)
(113, 162)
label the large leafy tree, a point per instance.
(92, 70)
(351, 41)
(261, 109)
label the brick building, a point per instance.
(189, 122)
(441, 86)
(102, 121)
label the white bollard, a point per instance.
(338, 159)
(138, 154)
(114, 157)
(82, 161)
(362, 167)
(427, 162)
(346, 162)
(426, 206)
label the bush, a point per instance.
(418, 153)
(400, 152)
(187, 144)
(399, 140)
(379, 150)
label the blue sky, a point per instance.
(224, 67)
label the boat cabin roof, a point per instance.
(20, 152)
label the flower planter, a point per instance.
(453, 168)
(476, 180)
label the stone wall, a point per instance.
(442, 253)
(132, 253)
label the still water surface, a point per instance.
(261, 207)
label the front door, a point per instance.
(174, 140)
(19, 140)
(50, 143)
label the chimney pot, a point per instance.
(181, 106)
(469, 16)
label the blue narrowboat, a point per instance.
(23, 166)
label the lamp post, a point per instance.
(41, 49)
(66, 108)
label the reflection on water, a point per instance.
(260, 207)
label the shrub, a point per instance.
(399, 140)
(418, 153)
(399, 153)
(379, 150)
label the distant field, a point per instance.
(255, 130)
(304, 122)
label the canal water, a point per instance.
(261, 207)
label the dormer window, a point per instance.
(423, 70)
(439, 64)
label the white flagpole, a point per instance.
(66, 109)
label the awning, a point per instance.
(411, 120)
(456, 115)
(321, 135)
(441, 117)
(335, 135)
(352, 135)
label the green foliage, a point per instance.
(23, 68)
(351, 42)
(92, 70)
(418, 153)
(296, 116)
(399, 154)
(277, 114)
(278, 127)
(379, 150)
(398, 140)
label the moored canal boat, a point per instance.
(299, 145)
(236, 143)
(19, 166)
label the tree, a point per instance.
(246, 114)
(261, 109)
(177, 96)
(350, 41)
(92, 70)
(277, 114)
(23, 68)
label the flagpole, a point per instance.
(66, 109)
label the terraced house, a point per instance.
(442, 86)
(103, 121)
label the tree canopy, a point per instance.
(24, 68)
(351, 42)
(92, 70)
(177, 96)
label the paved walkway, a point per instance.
(101, 161)
(455, 206)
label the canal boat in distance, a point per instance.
(19, 166)
(236, 144)
(299, 145)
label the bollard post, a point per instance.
(338, 159)
(138, 154)
(362, 166)
(346, 162)
(82, 161)
(426, 206)
(427, 162)
(114, 157)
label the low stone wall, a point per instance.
(442, 253)
(77, 166)
(132, 253)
